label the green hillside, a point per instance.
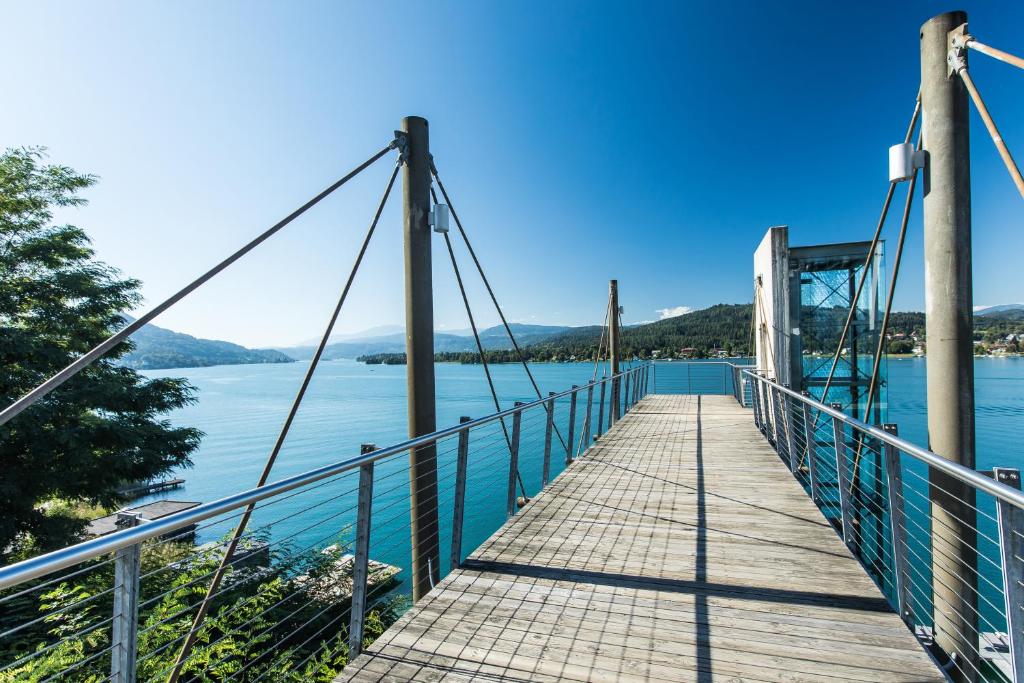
(157, 348)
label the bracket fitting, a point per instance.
(401, 143)
(956, 57)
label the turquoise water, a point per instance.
(240, 409)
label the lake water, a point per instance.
(241, 408)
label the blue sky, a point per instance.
(580, 141)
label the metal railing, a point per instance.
(322, 569)
(702, 377)
(945, 543)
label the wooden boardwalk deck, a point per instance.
(678, 549)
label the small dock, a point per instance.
(149, 512)
(679, 548)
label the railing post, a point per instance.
(794, 455)
(513, 461)
(600, 409)
(810, 439)
(125, 624)
(754, 391)
(459, 507)
(587, 423)
(625, 394)
(570, 444)
(361, 561)
(655, 374)
(897, 523)
(843, 475)
(776, 419)
(766, 409)
(1011, 547)
(549, 425)
(611, 403)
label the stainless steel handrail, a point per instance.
(56, 560)
(965, 474)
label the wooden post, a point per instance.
(613, 346)
(949, 327)
(419, 348)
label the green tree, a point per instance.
(104, 426)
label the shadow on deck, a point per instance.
(679, 548)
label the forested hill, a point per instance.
(158, 348)
(723, 327)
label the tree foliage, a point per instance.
(104, 426)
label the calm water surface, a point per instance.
(241, 408)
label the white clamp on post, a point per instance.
(439, 218)
(903, 160)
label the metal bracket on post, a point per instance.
(897, 523)
(843, 475)
(572, 427)
(459, 506)
(361, 561)
(125, 622)
(812, 447)
(600, 411)
(548, 427)
(956, 57)
(513, 461)
(1011, 547)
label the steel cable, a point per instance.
(283, 434)
(87, 358)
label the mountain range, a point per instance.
(159, 348)
(492, 338)
(723, 326)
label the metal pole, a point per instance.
(1011, 547)
(459, 514)
(794, 456)
(588, 425)
(572, 426)
(756, 409)
(613, 346)
(626, 393)
(600, 410)
(548, 427)
(419, 351)
(897, 523)
(811, 442)
(125, 624)
(513, 461)
(361, 561)
(843, 479)
(950, 371)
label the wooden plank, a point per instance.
(677, 548)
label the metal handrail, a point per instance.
(56, 560)
(955, 470)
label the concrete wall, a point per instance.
(771, 304)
